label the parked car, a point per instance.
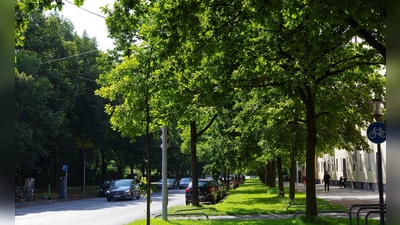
(223, 188)
(105, 187)
(219, 189)
(174, 183)
(124, 189)
(285, 176)
(171, 184)
(184, 182)
(159, 184)
(206, 190)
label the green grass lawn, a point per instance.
(254, 198)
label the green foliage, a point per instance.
(58, 117)
(23, 9)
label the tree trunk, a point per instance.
(132, 173)
(271, 174)
(280, 178)
(95, 167)
(293, 173)
(195, 179)
(311, 200)
(148, 172)
(103, 165)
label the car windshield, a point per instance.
(123, 183)
(185, 180)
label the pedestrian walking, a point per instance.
(327, 177)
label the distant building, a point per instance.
(358, 166)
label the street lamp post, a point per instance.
(377, 109)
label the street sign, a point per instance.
(65, 167)
(376, 132)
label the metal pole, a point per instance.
(84, 174)
(164, 173)
(380, 182)
(377, 115)
(66, 184)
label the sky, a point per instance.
(94, 25)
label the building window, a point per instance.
(361, 162)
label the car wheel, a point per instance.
(108, 199)
(131, 196)
(138, 195)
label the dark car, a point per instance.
(184, 182)
(105, 187)
(285, 176)
(206, 190)
(124, 189)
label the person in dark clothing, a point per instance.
(327, 177)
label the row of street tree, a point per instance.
(252, 82)
(246, 85)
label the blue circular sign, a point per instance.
(376, 132)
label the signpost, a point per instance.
(65, 168)
(376, 133)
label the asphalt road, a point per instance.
(94, 211)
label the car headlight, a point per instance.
(108, 192)
(127, 191)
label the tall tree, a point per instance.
(24, 8)
(134, 95)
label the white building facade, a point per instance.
(359, 167)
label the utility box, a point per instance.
(63, 187)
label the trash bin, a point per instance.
(63, 187)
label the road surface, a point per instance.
(95, 210)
